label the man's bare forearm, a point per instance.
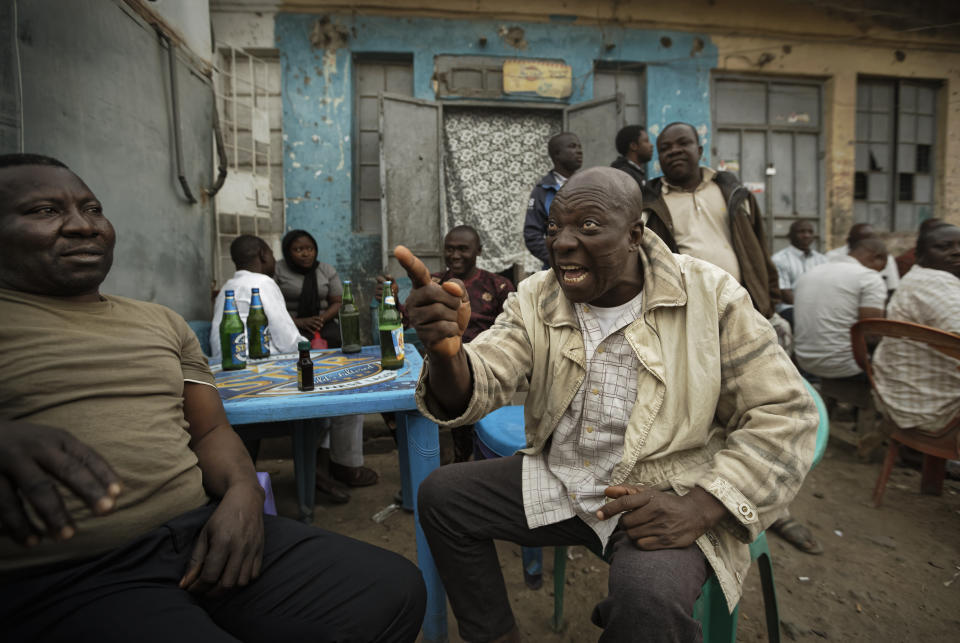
(224, 461)
(220, 453)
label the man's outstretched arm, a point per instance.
(440, 313)
(229, 549)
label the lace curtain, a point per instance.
(493, 158)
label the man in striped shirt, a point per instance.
(793, 261)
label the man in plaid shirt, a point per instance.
(665, 426)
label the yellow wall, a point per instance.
(839, 65)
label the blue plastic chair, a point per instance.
(201, 329)
(502, 432)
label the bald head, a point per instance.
(859, 231)
(870, 251)
(594, 233)
(603, 188)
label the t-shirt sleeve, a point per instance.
(873, 291)
(193, 364)
(333, 280)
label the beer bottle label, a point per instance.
(390, 301)
(397, 335)
(265, 339)
(239, 343)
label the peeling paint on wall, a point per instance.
(323, 110)
(513, 36)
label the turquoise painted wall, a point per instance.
(318, 108)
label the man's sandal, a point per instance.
(798, 535)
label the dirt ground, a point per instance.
(888, 574)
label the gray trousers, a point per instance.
(345, 440)
(465, 506)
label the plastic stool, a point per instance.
(500, 434)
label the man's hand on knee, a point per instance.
(659, 520)
(229, 549)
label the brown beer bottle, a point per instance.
(304, 368)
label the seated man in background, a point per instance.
(255, 264)
(829, 300)
(907, 259)
(793, 261)
(920, 386)
(487, 292)
(130, 509)
(889, 272)
(664, 423)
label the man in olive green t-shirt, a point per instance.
(113, 441)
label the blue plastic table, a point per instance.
(266, 391)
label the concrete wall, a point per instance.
(316, 54)
(96, 89)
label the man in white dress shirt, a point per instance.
(793, 261)
(255, 264)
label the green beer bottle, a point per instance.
(349, 322)
(391, 331)
(258, 333)
(233, 337)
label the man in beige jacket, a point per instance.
(665, 427)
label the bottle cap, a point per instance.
(387, 283)
(228, 293)
(303, 346)
(346, 281)
(254, 290)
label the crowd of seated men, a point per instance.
(918, 385)
(130, 510)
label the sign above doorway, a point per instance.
(548, 78)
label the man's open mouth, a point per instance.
(572, 273)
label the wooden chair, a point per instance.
(937, 447)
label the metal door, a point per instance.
(596, 123)
(411, 183)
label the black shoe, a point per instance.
(533, 581)
(330, 491)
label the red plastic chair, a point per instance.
(936, 446)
